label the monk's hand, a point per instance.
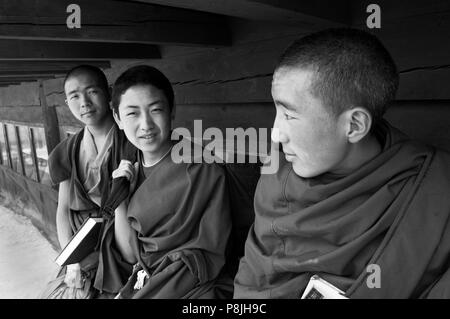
(125, 169)
(129, 171)
(74, 276)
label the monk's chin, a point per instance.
(304, 172)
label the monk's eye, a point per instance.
(131, 114)
(74, 97)
(93, 92)
(157, 110)
(288, 117)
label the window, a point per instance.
(23, 149)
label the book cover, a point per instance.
(82, 243)
(319, 288)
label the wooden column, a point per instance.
(51, 126)
(33, 154)
(8, 148)
(19, 150)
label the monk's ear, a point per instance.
(359, 122)
(117, 119)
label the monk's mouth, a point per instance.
(88, 113)
(148, 136)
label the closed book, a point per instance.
(82, 243)
(319, 288)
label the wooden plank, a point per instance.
(416, 38)
(322, 12)
(416, 33)
(22, 114)
(51, 126)
(394, 11)
(44, 67)
(99, 12)
(19, 150)
(74, 50)
(6, 79)
(111, 21)
(33, 154)
(425, 84)
(225, 115)
(4, 84)
(8, 146)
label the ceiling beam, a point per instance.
(9, 83)
(5, 78)
(32, 68)
(323, 13)
(111, 21)
(70, 50)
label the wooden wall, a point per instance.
(230, 86)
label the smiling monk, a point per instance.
(169, 239)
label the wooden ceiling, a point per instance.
(36, 43)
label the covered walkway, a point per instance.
(26, 257)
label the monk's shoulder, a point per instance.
(59, 160)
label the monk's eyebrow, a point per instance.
(131, 106)
(93, 86)
(286, 106)
(156, 102)
(137, 106)
(73, 91)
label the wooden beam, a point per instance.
(4, 84)
(40, 50)
(111, 21)
(24, 78)
(14, 67)
(393, 11)
(322, 12)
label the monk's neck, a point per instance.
(152, 158)
(100, 132)
(359, 154)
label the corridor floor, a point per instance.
(26, 257)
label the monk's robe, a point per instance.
(393, 212)
(89, 171)
(180, 222)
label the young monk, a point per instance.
(354, 201)
(82, 166)
(175, 228)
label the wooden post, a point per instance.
(8, 148)
(19, 150)
(51, 126)
(33, 154)
(1, 150)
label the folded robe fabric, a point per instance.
(63, 164)
(392, 212)
(180, 223)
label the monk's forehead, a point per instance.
(82, 78)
